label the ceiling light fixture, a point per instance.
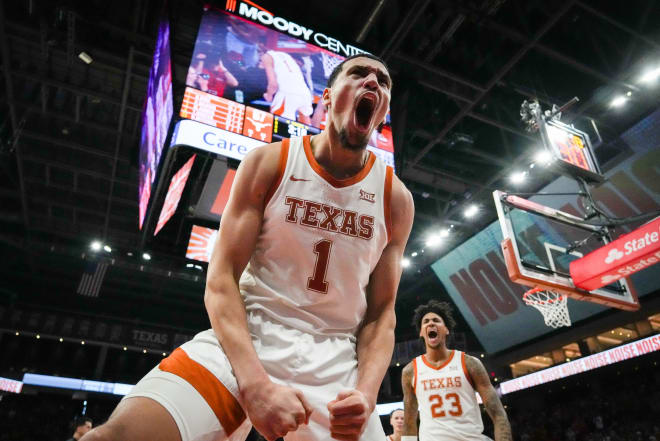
(543, 157)
(433, 240)
(85, 57)
(650, 76)
(471, 211)
(618, 101)
(518, 177)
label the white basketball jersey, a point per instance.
(448, 407)
(320, 240)
(288, 73)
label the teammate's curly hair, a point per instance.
(443, 309)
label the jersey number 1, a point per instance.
(317, 282)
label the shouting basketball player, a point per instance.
(300, 291)
(441, 386)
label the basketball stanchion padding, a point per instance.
(552, 304)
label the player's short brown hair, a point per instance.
(337, 70)
(443, 309)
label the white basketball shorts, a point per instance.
(286, 104)
(197, 386)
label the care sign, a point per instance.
(627, 255)
(213, 139)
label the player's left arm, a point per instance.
(375, 339)
(489, 396)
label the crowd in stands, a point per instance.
(47, 416)
(620, 402)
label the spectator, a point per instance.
(219, 78)
(81, 425)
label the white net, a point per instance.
(552, 304)
(329, 63)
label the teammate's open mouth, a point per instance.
(364, 111)
(433, 334)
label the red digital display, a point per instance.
(223, 194)
(174, 192)
(212, 110)
(200, 245)
(383, 139)
(258, 124)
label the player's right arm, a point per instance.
(273, 409)
(410, 407)
(269, 67)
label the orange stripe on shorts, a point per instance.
(225, 407)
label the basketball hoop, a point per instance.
(552, 304)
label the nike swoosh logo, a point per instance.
(298, 179)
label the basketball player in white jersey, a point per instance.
(300, 291)
(286, 91)
(396, 421)
(441, 386)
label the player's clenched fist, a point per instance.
(274, 410)
(349, 414)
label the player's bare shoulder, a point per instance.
(259, 169)
(476, 368)
(265, 158)
(408, 373)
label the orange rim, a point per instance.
(541, 302)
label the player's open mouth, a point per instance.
(433, 333)
(364, 110)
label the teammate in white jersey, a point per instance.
(300, 291)
(287, 90)
(441, 385)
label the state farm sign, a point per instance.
(628, 254)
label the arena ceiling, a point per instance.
(69, 131)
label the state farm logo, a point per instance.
(632, 246)
(613, 255)
(369, 197)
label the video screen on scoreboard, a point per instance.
(156, 117)
(571, 145)
(274, 81)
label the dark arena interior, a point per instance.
(104, 275)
